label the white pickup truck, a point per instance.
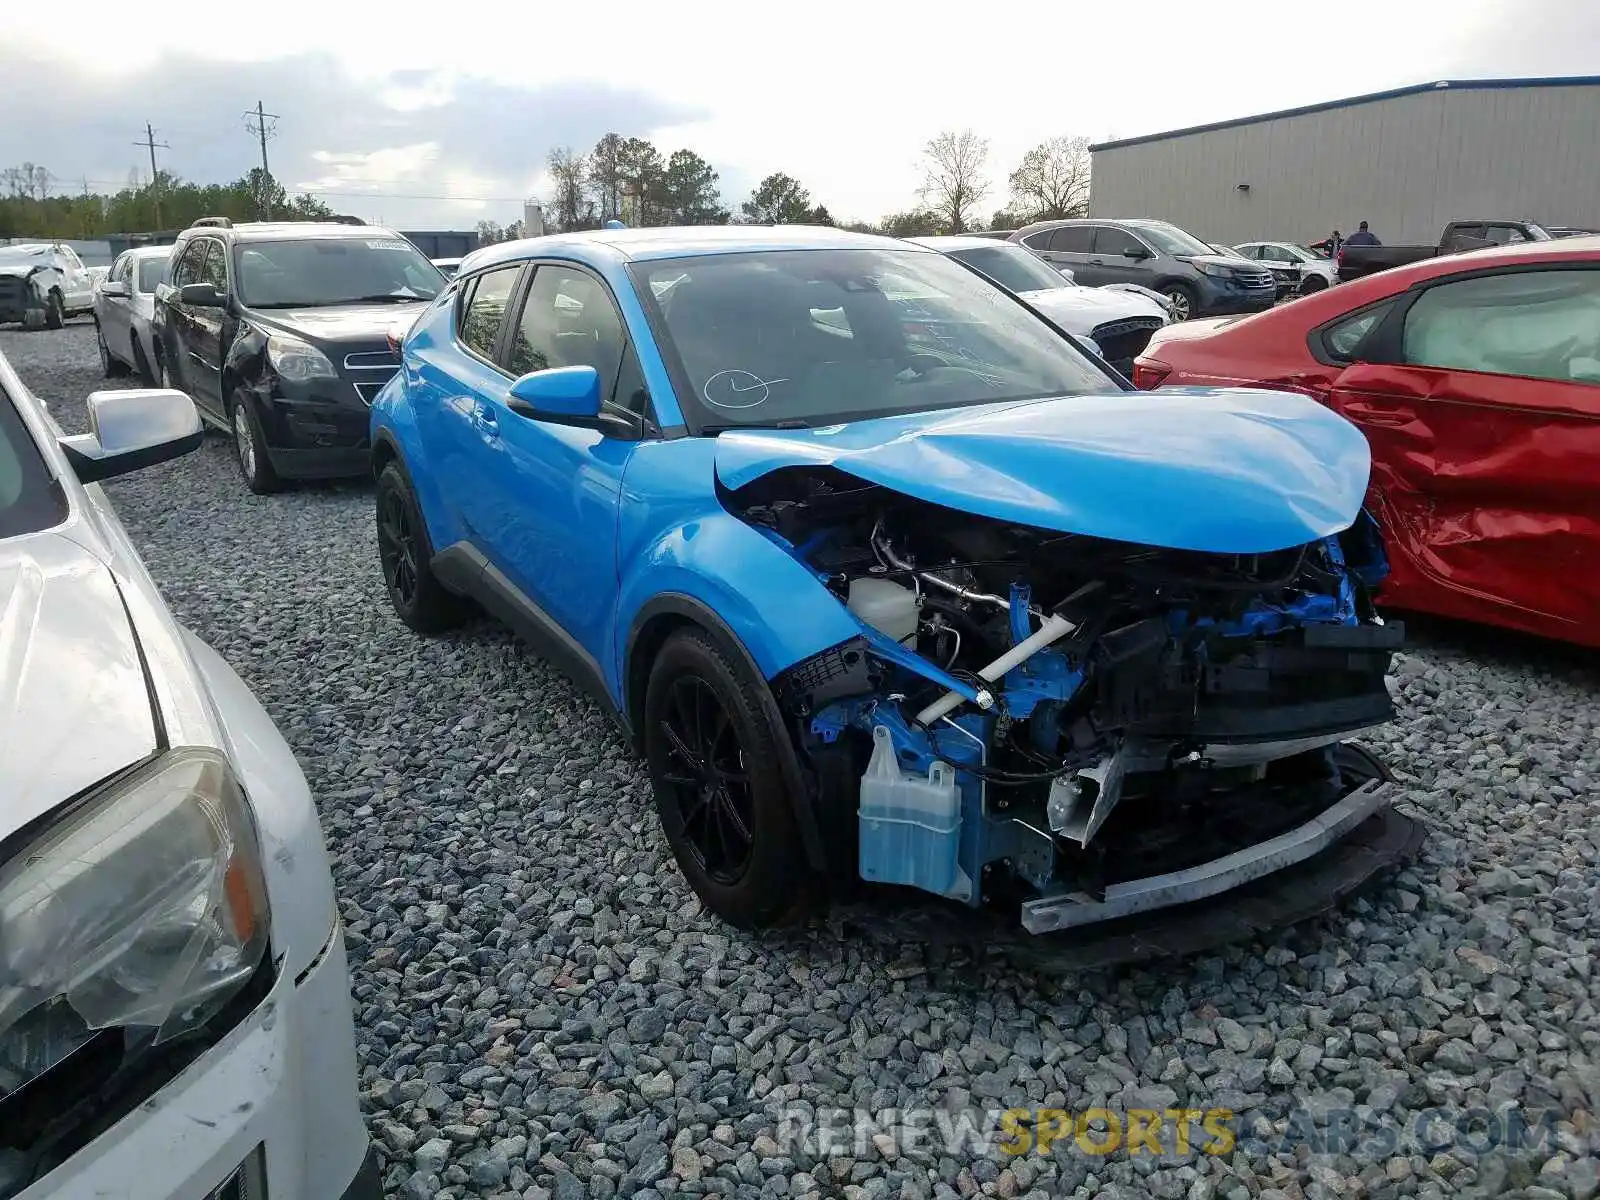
(42, 284)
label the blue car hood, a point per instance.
(1224, 470)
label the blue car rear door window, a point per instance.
(483, 308)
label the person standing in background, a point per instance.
(1329, 246)
(1363, 237)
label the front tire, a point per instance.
(1312, 284)
(1182, 300)
(406, 555)
(723, 800)
(55, 311)
(250, 446)
(110, 366)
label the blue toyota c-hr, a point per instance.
(890, 579)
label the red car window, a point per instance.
(1532, 324)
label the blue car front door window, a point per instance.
(567, 321)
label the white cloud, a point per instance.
(842, 99)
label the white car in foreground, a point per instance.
(175, 1016)
(1116, 322)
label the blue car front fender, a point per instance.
(394, 437)
(774, 607)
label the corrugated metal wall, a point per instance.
(1408, 165)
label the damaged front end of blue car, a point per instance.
(1079, 727)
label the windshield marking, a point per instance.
(731, 382)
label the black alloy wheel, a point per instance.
(710, 780)
(406, 556)
(716, 750)
(397, 548)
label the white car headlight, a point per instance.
(143, 911)
(298, 361)
(1216, 269)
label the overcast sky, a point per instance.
(444, 116)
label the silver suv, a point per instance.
(1195, 279)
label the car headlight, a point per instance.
(298, 361)
(1214, 269)
(143, 911)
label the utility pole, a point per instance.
(256, 122)
(151, 144)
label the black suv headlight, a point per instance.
(144, 911)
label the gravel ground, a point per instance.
(544, 1009)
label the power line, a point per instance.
(150, 143)
(119, 184)
(421, 196)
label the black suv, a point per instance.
(280, 334)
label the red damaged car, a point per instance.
(1476, 378)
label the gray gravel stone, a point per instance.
(544, 1010)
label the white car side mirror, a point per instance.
(133, 429)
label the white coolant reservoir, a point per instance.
(885, 605)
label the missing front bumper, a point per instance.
(1048, 914)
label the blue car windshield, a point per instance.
(814, 337)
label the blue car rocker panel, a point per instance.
(889, 582)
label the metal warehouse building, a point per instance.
(1407, 160)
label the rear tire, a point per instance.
(406, 556)
(250, 446)
(1182, 300)
(141, 364)
(722, 796)
(110, 366)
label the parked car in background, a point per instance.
(1286, 280)
(1302, 271)
(280, 333)
(808, 511)
(1476, 379)
(1117, 324)
(175, 1015)
(1354, 262)
(124, 306)
(447, 266)
(1194, 278)
(42, 284)
(1566, 231)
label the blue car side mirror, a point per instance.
(567, 396)
(557, 392)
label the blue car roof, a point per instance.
(639, 245)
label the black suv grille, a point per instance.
(369, 370)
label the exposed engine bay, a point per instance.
(1083, 728)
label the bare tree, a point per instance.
(1052, 181)
(954, 181)
(605, 175)
(569, 175)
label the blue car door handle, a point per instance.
(483, 417)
